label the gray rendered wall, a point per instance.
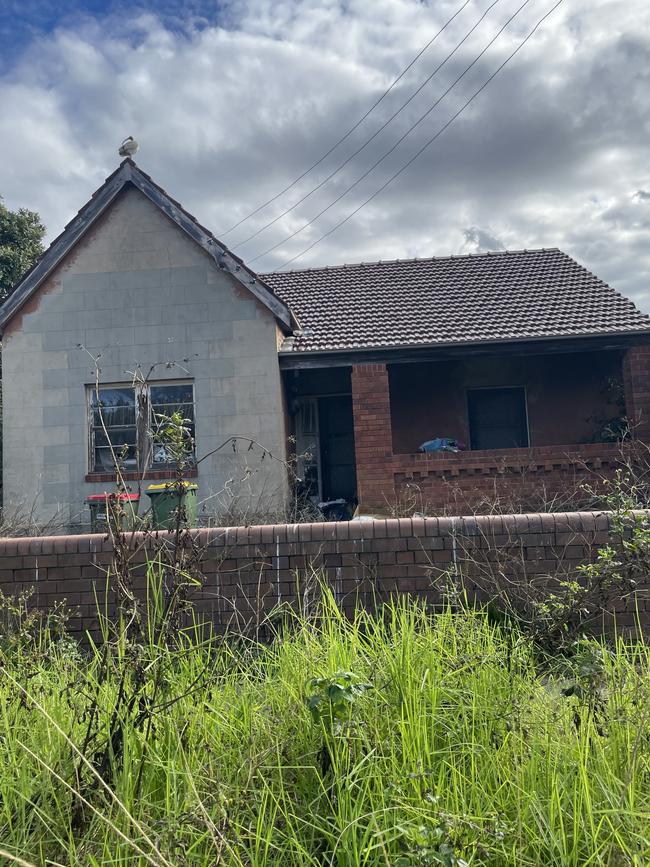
(137, 291)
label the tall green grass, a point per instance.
(464, 748)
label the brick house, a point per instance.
(524, 358)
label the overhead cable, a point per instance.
(365, 144)
(352, 129)
(426, 144)
(397, 143)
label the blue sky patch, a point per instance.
(21, 21)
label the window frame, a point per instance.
(521, 388)
(144, 462)
(164, 465)
(91, 393)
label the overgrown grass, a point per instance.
(427, 740)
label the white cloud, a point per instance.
(554, 153)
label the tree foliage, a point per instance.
(21, 243)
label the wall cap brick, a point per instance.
(368, 528)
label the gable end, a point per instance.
(129, 174)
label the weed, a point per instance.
(333, 698)
(205, 751)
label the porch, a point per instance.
(532, 428)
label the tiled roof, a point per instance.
(520, 295)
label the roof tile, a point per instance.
(514, 295)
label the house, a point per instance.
(525, 359)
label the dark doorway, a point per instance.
(338, 466)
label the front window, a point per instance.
(113, 428)
(167, 401)
(130, 424)
(498, 418)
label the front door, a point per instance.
(338, 466)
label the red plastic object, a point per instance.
(98, 498)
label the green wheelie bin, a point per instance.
(166, 500)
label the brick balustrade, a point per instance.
(537, 475)
(249, 571)
(531, 477)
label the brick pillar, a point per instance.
(373, 436)
(636, 381)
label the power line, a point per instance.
(372, 137)
(427, 144)
(396, 144)
(355, 126)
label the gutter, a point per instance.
(339, 357)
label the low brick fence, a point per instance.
(250, 571)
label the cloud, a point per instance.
(480, 241)
(230, 108)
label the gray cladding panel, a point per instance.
(191, 316)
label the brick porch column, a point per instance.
(636, 381)
(373, 436)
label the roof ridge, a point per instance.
(448, 257)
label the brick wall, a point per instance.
(636, 382)
(373, 438)
(250, 570)
(450, 483)
(535, 478)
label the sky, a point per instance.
(232, 101)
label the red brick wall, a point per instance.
(636, 380)
(547, 478)
(530, 478)
(567, 396)
(373, 439)
(250, 570)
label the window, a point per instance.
(113, 423)
(164, 401)
(131, 420)
(497, 418)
